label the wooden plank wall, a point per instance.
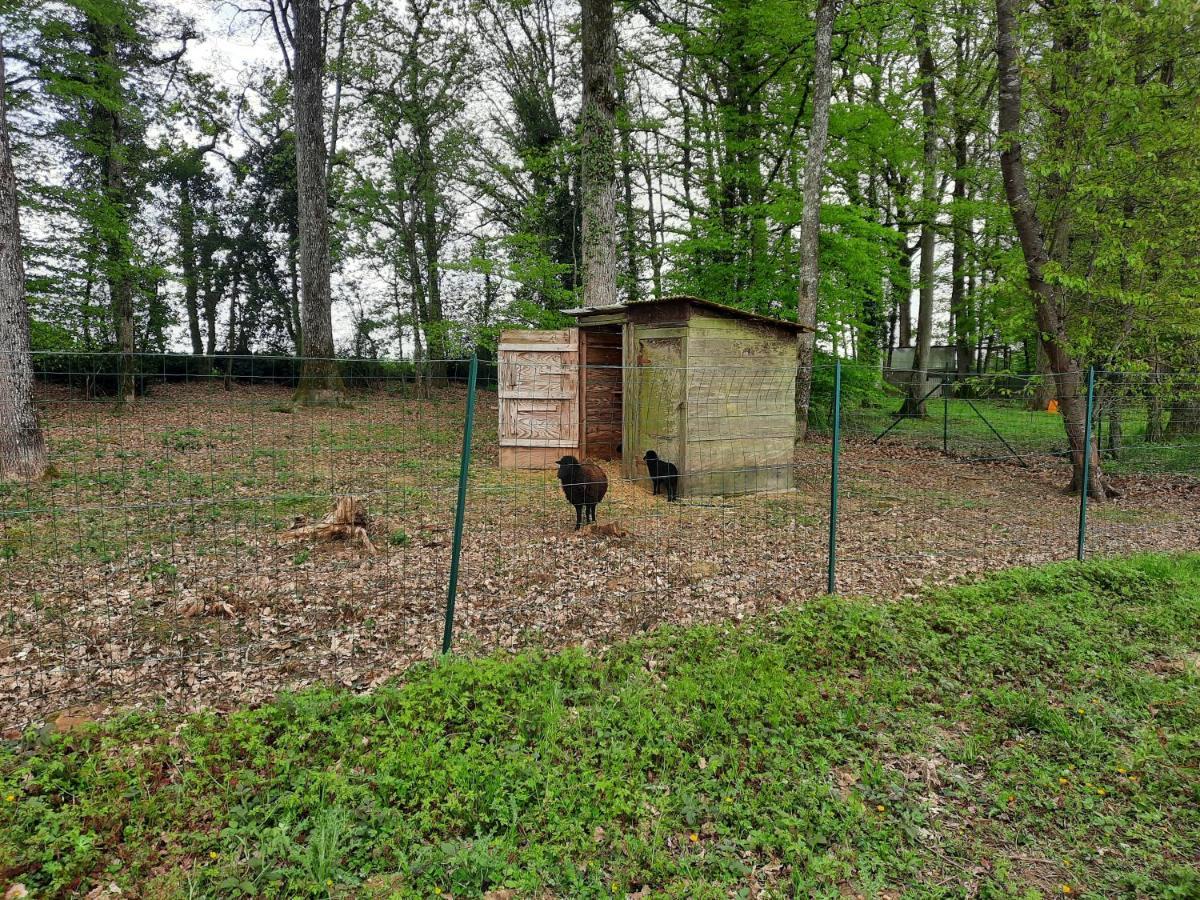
(603, 392)
(539, 397)
(741, 414)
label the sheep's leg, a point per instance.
(578, 515)
(592, 513)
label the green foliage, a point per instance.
(863, 388)
(845, 744)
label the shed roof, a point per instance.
(587, 311)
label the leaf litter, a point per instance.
(206, 551)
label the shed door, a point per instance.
(659, 405)
(539, 388)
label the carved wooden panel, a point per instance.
(539, 388)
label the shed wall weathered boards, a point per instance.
(707, 387)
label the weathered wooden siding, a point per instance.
(539, 396)
(601, 353)
(741, 417)
(655, 403)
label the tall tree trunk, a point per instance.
(22, 447)
(624, 128)
(598, 162)
(1067, 372)
(431, 243)
(320, 381)
(187, 263)
(652, 227)
(914, 403)
(810, 221)
(107, 130)
(959, 303)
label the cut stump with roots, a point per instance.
(347, 522)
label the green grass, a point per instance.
(1038, 729)
(1031, 432)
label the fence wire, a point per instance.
(190, 548)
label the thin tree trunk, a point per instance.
(652, 230)
(22, 447)
(339, 69)
(187, 263)
(959, 301)
(320, 381)
(215, 281)
(598, 163)
(292, 319)
(1068, 374)
(914, 403)
(810, 222)
(1116, 429)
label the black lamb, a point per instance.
(584, 485)
(663, 474)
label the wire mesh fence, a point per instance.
(214, 541)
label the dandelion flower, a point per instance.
(1101, 791)
(212, 854)
(879, 807)
(1081, 710)
(10, 798)
(694, 838)
(1120, 771)
(1066, 889)
(1062, 781)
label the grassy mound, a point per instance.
(1036, 732)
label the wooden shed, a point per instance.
(708, 387)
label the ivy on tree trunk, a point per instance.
(320, 381)
(22, 447)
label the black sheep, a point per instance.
(584, 485)
(663, 474)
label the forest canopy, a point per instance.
(160, 196)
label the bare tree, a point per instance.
(22, 447)
(598, 159)
(810, 222)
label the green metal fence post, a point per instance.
(460, 510)
(1081, 550)
(833, 479)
